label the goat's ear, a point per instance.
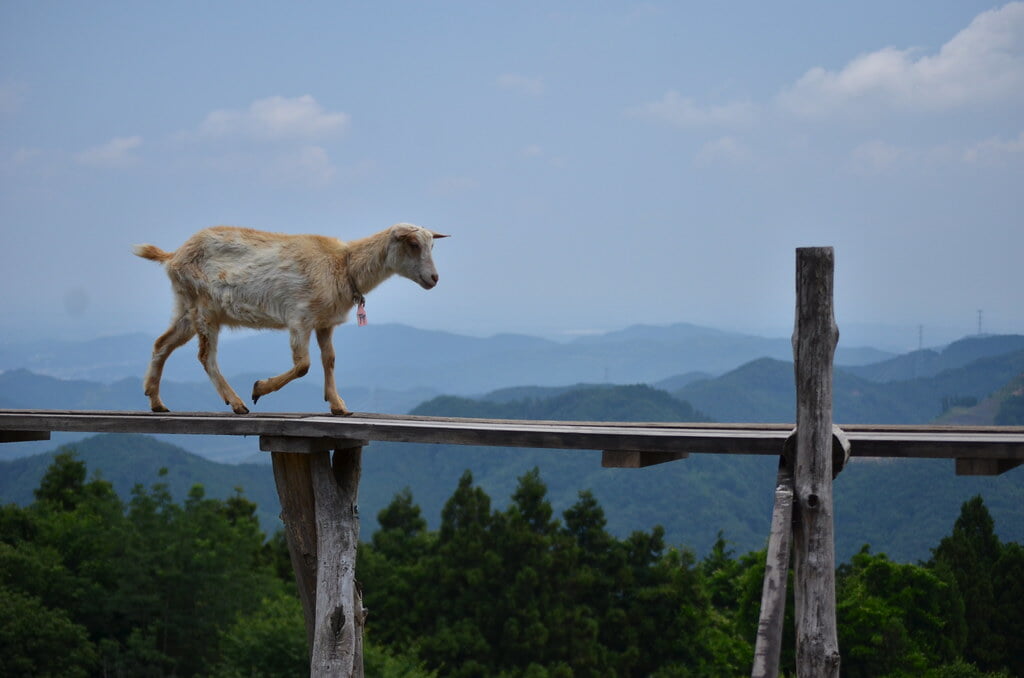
(439, 235)
(399, 231)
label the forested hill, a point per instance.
(583, 402)
(126, 460)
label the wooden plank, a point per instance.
(637, 458)
(985, 467)
(814, 341)
(23, 436)
(768, 646)
(694, 438)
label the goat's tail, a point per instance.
(152, 252)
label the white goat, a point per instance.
(240, 277)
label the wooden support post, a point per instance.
(815, 336)
(776, 572)
(298, 512)
(319, 509)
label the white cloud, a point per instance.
(675, 109)
(276, 119)
(723, 151)
(116, 153)
(521, 84)
(994, 150)
(982, 63)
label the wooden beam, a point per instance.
(814, 341)
(985, 467)
(936, 442)
(637, 458)
(305, 445)
(768, 647)
(23, 436)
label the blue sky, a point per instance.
(599, 164)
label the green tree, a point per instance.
(394, 565)
(466, 578)
(269, 642)
(41, 642)
(970, 555)
(896, 617)
(1008, 581)
(142, 590)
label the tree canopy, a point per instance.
(92, 585)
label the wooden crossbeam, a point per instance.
(637, 458)
(985, 467)
(23, 436)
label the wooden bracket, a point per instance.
(840, 450)
(985, 467)
(23, 436)
(637, 458)
(306, 445)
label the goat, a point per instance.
(240, 277)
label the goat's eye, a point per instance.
(414, 245)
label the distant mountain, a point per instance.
(929, 362)
(764, 391)
(399, 357)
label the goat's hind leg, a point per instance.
(324, 339)
(208, 334)
(300, 366)
(180, 331)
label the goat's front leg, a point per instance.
(208, 333)
(300, 366)
(324, 339)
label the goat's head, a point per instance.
(409, 254)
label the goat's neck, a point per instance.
(367, 266)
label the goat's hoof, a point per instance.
(240, 409)
(341, 412)
(256, 392)
(159, 408)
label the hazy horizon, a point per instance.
(598, 165)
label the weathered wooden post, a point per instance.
(768, 647)
(319, 510)
(814, 341)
